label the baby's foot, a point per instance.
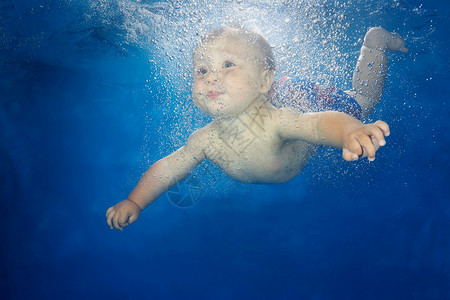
(381, 39)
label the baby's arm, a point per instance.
(331, 128)
(352, 136)
(160, 177)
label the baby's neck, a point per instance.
(253, 113)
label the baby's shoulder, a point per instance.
(285, 115)
(291, 123)
(270, 115)
(201, 137)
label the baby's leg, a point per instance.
(370, 72)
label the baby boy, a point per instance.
(250, 138)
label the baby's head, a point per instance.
(232, 68)
(257, 42)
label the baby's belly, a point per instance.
(274, 167)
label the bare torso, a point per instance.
(255, 152)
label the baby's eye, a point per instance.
(228, 64)
(202, 71)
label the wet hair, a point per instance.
(256, 41)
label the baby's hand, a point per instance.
(122, 214)
(365, 141)
(381, 39)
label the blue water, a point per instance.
(93, 92)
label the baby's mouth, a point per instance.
(213, 94)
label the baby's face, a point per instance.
(227, 77)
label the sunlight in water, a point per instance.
(319, 40)
(307, 38)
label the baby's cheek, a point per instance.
(197, 88)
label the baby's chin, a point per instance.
(217, 110)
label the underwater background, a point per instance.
(93, 92)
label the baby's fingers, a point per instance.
(367, 146)
(132, 219)
(348, 155)
(355, 147)
(117, 220)
(109, 209)
(123, 220)
(384, 127)
(377, 134)
(109, 217)
(360, 146)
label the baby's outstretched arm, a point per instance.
(370, 72)
(160, 177)
(336, 129)
(353, 137)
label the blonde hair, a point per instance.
(251, 38)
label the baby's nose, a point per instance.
(213, 76)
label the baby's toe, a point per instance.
(396, 43)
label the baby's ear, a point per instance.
(267, 77)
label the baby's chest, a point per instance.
(245, 158)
